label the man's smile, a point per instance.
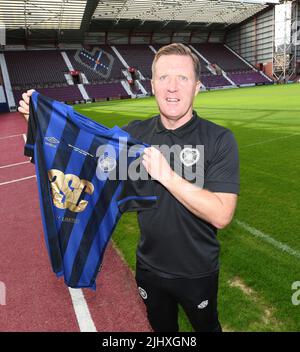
(172, 100)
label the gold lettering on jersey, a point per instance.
(67, 189)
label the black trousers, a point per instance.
(198, 297)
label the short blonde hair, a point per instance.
(178, 49)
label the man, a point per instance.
(177, 256)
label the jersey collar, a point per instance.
(180, 131)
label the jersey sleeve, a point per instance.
(138, 193)
(31, 131)
(222, 172)
(130, 127)
(34, 149)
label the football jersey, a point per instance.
(82, 176)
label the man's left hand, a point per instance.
(156, 165)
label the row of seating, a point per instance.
(46, 69)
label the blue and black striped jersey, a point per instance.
(82, 176)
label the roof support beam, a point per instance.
(90, 8)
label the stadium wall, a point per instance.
(3, 104)
(166, 37)
(253, 40)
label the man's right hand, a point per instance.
(23, 107)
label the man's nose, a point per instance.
(172, 84)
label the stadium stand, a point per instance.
(237, 70)
(247, 78)
(204, 69)
(45, 70)
(37, 67)
(92, 76)
(69, 94)
(220, 55)
(147, 86)
(106, 90)
(138, 56)
(214, 81)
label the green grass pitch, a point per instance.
(260, 250)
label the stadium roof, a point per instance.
(205, 11)
(42, 14)
(79, 14)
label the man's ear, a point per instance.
(152, 87)
(198, 84)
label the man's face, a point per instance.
(174, 85)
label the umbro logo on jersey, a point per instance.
(203, 304)
(51, 141)
(143, 293)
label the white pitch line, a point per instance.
(12, 136)
(82, 312)
(18, 180)
(269, 140)
(10, 165)
(267, 238)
